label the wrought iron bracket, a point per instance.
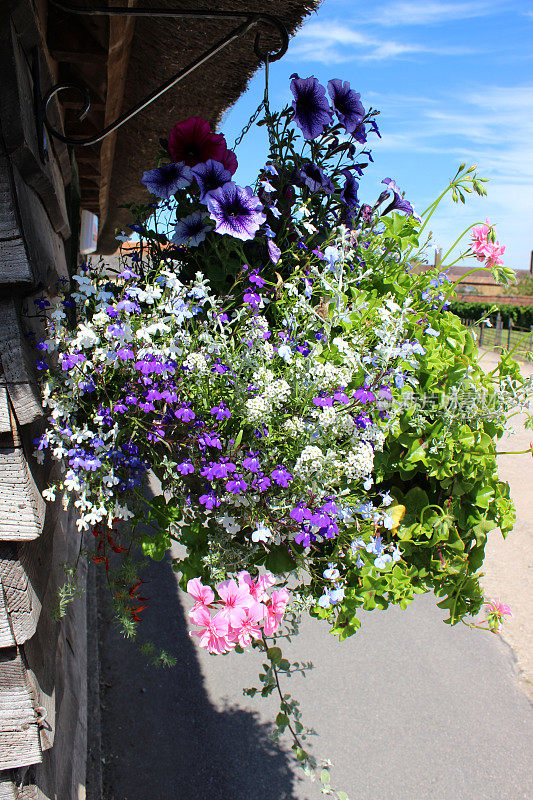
(247, 22)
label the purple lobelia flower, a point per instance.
(191, 230)
(349, 190)
(311, 108)
(210, 176)
(398, 203)
(346, 103)
(236, 211)
(166, 180)
(312, 176)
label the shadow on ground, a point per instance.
(161, 736)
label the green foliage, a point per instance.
(522, 316)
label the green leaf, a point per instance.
(279, 560)
(282, 721)
(274, 654)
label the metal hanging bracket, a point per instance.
(247, 22)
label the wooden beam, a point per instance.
(121, 31)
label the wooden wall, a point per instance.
(43, 669)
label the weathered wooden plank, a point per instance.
(7, 639)
(22, 509)
(7, 788)
(5, 417)
(45, 248)
(22, 602)
(29, 20)
(19, 728)
(14, 264)
(18, 363)
(20, 131)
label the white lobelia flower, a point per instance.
(262, 533)
(49, 494)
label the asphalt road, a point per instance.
(408, 709)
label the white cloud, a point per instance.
(419, 12)
(332, 42)
(493, 128)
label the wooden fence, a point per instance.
(499, 337)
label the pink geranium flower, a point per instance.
(249, 627)
(484, 248)
(236, 600)
(213, 632)
(258, 587)
(496, 611)
(203, 595)
(274, 611)
(499, 608)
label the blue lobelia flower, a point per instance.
(191, 230)
(311, 108)
(236, 211)
(166, 180)
(210, 176)
(346, 103)
(398, 203)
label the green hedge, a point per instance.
(522, 316)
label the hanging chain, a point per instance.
(263, 105)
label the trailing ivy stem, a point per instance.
(282, 701)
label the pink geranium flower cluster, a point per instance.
(484, 248)
(243, 607)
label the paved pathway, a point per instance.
(408, 709)
(509, 563)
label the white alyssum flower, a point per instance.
(196, 362)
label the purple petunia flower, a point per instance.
(273, 251)
(311, 108)
(210, 176)
(398, 203)
(346, 103)
(236, 211)
(312, 175)
(191, 230)
(349, 190)
(166, 180)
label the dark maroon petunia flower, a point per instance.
(311, 108)
(229, 161)
(166, 180)
(398, 203)
(210, 176)
(236, 211)
(193, 142)
(346, 103)
(312, 176)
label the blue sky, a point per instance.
(454, 83)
